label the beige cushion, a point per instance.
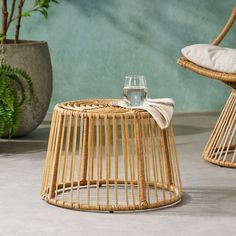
(212, 57)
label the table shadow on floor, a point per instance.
(204, 201)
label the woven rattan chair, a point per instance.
(220, 149)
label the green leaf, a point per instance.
(44, 12)
(26, 14)
(2, 36)
(13, 82)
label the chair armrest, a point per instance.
(226, 28)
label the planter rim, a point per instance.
(10, 42)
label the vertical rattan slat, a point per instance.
(221, 148)
(104, 158)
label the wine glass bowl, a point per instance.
(135, 90)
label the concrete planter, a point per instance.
(34, 58)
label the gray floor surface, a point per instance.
(208, 206)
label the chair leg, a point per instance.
(220, 148)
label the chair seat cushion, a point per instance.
(212, 57)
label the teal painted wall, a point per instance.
(95, 43)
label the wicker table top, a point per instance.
(100, 107)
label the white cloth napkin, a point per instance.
(161, 109)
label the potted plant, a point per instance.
(32, 60)
(12, 95)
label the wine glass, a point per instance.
(135, 90)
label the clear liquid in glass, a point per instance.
(135, 95)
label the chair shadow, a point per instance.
(181, 130)
(147, 23)
(130, 24)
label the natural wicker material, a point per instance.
(221, 143)
(221, 149)
(230, 79)
(225, 77)
(109, 159)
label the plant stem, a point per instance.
(4, 19)
(13, 5)
(29, 11)
(18, 20)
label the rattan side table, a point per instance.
(105, 158)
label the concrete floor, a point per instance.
(208, 206)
